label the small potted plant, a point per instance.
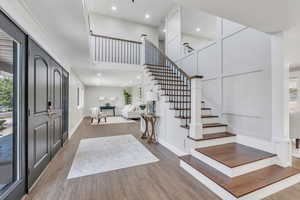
(143, 107)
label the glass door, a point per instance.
(12, 135)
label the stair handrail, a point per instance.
(162, 53)
(115, 50)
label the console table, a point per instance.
(113, 108)
(150, 135)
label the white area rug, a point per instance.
(113, 120)
(97, 155)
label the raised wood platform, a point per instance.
(234, 154)
(244, 184)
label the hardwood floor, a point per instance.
(163, 180)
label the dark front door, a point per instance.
(39, 121)
(45, 110)
(56, 109)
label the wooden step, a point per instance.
(176, 95)
(164, 75)
(168, 80)
(157, 70)
(157, 65)
(171, 84)
(214, 136)
(170, 101)
(234, 154)
(213, 125)
(186, 109)
(210, 116)
(180, 90)
(241, 185)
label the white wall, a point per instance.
(237, 78)
(92, 94)
(195, 42)
(76, 113)
(173, 33)
(292, 34)
(22, 16)
(123, 29)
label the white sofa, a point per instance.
(131, 112)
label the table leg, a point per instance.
(297, 143)
(145, 136)
(152, 138)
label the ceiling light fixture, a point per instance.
(147, 16)
(114, 8)
(198, 29)
(99, 74)
(164, 30)
(138, 77)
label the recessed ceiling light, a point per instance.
(164, 30)
(147, 16)
(99, 74)
(139, 77)
(198, 29)
(114, 8)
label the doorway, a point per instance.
(46, 107)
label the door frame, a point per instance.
(17, 189)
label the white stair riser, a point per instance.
(214, 130)
(236, 171)
(213, 142)
(223, 194)
(210, 120)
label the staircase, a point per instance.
(229, 169)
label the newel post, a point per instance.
(143, 49)
(196, 129)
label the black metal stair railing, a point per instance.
(175, 83)
(115, 50)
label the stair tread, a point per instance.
(170, 84)
(168, 80)
(242, 185)
(181, 90)
(156, 65)
(234, 154)
(213, 136)
(176, 95)
(212, 125)
(210, 116)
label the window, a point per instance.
(80, 97)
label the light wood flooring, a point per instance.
(163, 180)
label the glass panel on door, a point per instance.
(9, 133)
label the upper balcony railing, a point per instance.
(115, 50)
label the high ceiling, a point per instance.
(264, 15)
(193, 18)
(64, 21)
(133, 11)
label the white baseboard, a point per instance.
(75, 128)
(172, 148)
